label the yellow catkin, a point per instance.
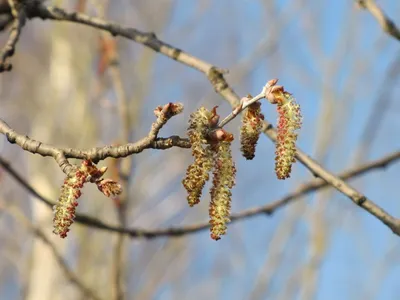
(197, 174)
(223, 181)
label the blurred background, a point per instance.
(75, 86)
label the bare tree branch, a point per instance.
(267, 209)
(18, 12)
(98, 153)
(118, 265)
(387, 24)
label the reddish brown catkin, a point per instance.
(64, 210)
(289, 120)
(252, 123)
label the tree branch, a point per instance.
(18, 12)
(267, 209)
(99, 153)
(387, 24)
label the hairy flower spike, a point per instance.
(252, 123)
(201, 121)
(64, 210)
(197, 173)
(289, 121)
(223, 181)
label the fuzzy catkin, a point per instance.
(289, 120)
(223, 181)
(252, 123)
(197, 174)
(64, 210)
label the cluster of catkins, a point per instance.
(211, 149)
(64, 210)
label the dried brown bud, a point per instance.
(214, 118)
(168, 110)
(220, 134)
(109, 187)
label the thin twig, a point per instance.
(118, 265)
(267, 209)
(245, 102)
(8, 50)
(95, 154)
(387, 24)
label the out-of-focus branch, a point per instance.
(111, 56)
(387, 24)
(267, 209)
(70, 275)
(5, 20)
(378, 111)
(4, 7)
(18, 12)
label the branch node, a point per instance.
(361, 200)
(11, 138)
(216, 77)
